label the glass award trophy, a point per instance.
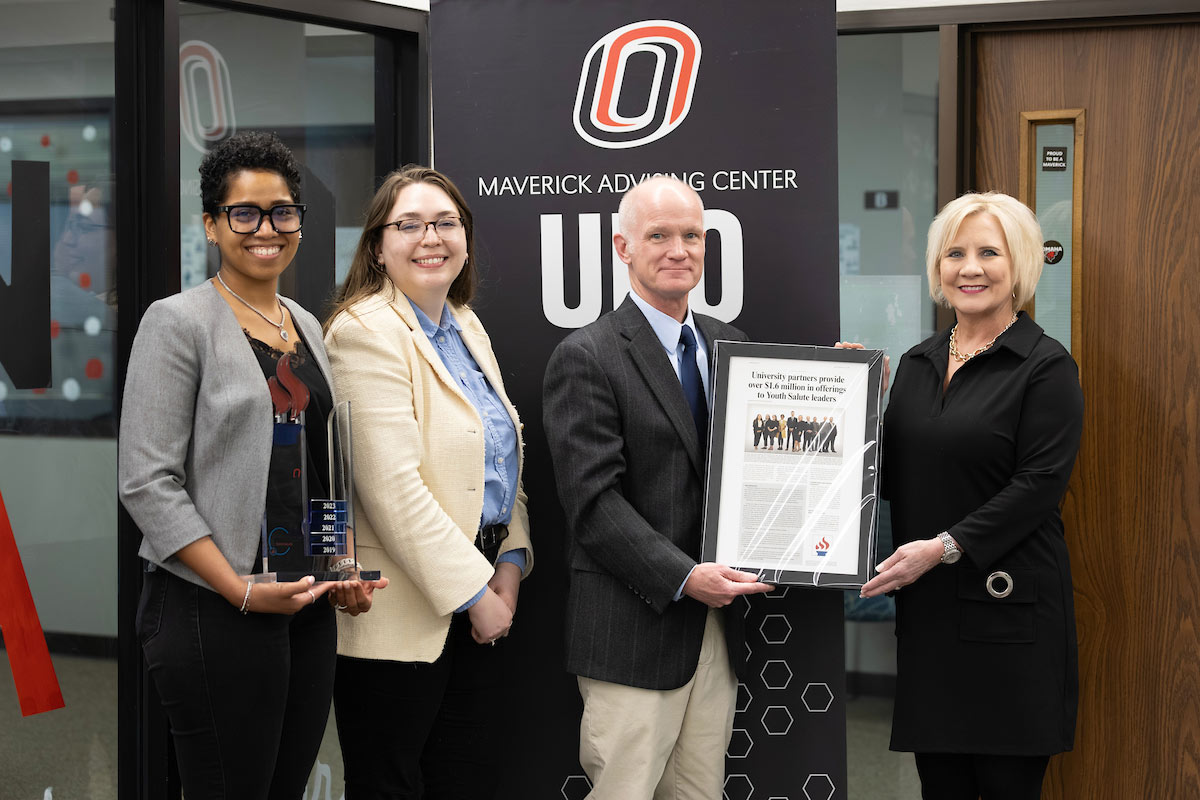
(308, 523)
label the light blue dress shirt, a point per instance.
(667, 329)
(500, 462)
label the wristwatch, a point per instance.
(950, 551)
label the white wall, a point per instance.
(420, 5)
(61, 495)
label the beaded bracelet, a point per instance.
(345, 562)
(246, 599)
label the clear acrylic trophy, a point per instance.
(304, 535)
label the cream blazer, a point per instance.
(418, 475)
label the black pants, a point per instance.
(247, 695)
(415, 730)
(951, 776)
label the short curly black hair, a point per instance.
(249, 150)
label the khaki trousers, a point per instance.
(638, 744)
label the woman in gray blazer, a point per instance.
(244, 669)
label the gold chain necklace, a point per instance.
(954, 344)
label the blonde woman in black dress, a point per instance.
(979, 440)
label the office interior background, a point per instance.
(116, 95)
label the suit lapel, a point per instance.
(229, 339)
(481, 350)
(711, 331)
(424, 347)
(652, 362)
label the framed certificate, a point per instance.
(793, 463)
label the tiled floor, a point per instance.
(874, 772)
(72, 753)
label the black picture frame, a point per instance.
(830, 490)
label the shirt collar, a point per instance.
(1020, 339)
(665, 327)
(427, 325)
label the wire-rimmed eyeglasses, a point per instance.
(413, 230)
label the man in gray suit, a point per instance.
(626, 409)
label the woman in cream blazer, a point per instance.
(438, 502)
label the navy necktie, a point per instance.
(693, 386)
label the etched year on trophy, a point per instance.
(308, 524)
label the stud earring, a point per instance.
(301, 236)
(212, 242)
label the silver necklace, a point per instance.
(283, 334)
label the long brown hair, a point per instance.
(367, 276)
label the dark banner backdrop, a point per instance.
(544, 113)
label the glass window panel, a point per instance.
(887, 145)
(887, 177)
(314, 86)
(78, 148)
(57, 443)
(1054, 198)
(311, 84)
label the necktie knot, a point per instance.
(687, 338)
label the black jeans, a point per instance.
(247, 695)
(415, 730)
(952, 776)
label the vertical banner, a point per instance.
(544, 114)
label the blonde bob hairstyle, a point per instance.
(366, 276)
(1021, 230)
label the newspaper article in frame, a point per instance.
(794, 462)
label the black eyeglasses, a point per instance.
(248, 219)
(414, 229)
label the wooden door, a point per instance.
(1133, 508)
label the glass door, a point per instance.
(58, 451)
(313, 85)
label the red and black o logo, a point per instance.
(1052, 251)
(205, 95)
(636, 84)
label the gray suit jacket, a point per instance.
(630, 474)
(196, 426)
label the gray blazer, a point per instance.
(196, 427)
(630, 474)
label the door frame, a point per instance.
(957, 26)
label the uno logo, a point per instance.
(205, 95)
(647, 113)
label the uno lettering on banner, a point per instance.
(591, 278)
(602, 84)
(205, 95)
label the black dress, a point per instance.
(989, 461)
